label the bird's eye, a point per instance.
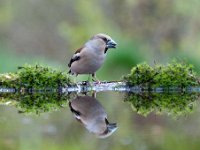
(105, 39)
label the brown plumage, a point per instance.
(89, 58)
(92, 115)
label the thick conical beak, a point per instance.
(112, 127)
(111, 44)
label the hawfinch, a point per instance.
(90, 57)
(92, 115)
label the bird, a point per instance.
(92, 115)
(90, 57)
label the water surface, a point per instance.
(46, 122)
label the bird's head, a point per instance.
(102, 42)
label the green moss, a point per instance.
(170, 75)
(172, 103)
(35, 77)
(35, 103)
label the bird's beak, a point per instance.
(111, 44)
(112, 127)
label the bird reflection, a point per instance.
(92, 115)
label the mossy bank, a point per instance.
(34, 77)
(178, 75)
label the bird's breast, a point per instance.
(94, 62)
(97, 59)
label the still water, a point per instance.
(115, 121)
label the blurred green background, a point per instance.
(48, 32)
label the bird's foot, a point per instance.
(96, 81)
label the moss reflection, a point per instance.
(35, 103)
(175, 104)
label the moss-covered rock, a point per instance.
(170, 75)
(35, 77)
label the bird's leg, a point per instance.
(95, 78)
(94, 94)
(89, 77)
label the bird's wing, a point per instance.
(76, 113)
(75, 57)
